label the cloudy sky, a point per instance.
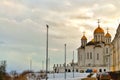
(23, 28)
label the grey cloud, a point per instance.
(88, 27)
(106, 9)
(80, 17)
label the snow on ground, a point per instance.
(69, 76)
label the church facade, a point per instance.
(93, 55)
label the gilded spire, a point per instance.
(108, 34)
(83, 33)
(98, 22)
(107, 29)
(84, 37)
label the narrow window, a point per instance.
(81, 57)
(95, 37)
(99, 38)
(90, 55)
(106, 50)
(97, 56)
(107, 59)
(87, 55)
(100, 70)
(104, 70)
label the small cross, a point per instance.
(98, 21)
(107, 29)
(84, 33)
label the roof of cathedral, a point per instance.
(84, 38)
(98, 46)
(91, 42)
(108, 35)
(98, 30)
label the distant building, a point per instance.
(115, 56)
(93, 55)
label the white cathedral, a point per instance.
(93, 55)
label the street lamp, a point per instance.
(47, 52)
(30, 64)
(65, 62)
(42, 65)
(73, 64)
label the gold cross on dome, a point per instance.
(98, 21)
(107, 29)
(84, 33)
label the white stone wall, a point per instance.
(117, 53)
(81, 57)
(108, 54)
(94, 56)
(99, 56)
(89, 55)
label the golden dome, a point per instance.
(92, 40)
(108, 35)
(98, 30)
(84, 38)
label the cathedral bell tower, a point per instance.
(83, 40)
(108, 38)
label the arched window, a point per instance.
(107, 50)
(100, 70)
(90, 55)
(99, 38)
(95, 37)
(104, 70)
(69, 70)
(97, 56)
(65, 70)
(76, 70)
(87, 55)
(55, 70)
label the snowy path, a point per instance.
(69, 76)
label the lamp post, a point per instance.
(42, 65)
(47, 52)
(49, 63)
(30, 64)
(65, 62)
(73, 64)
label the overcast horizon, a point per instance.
(23, 29)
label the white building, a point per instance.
(94, 55)
(115, 56)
